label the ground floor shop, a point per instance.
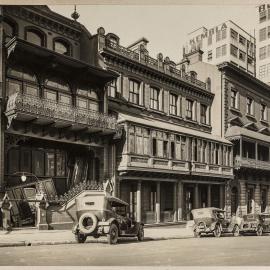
(250, 192)
(171, 200)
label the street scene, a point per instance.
(146, 142)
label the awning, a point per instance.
(168, 126)
(236, 131)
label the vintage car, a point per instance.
(100, 214)
(212, 221)
(255, 223)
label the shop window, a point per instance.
(60, 164)
(49, 164)
(25, 159)
(13, 161)
(263, 200)
(35, 36)
(62, 47)
(250, 200)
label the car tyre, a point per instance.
(140, 234)
(259, 231)
(236, 231)
(113, 234)
(80, 238)
(96, 236)
(217, 231)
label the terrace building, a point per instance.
(54, 125)
(168, 161)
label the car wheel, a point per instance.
(259, 231)
(96, 236)
(196, 234)
(140, 233)
(236, 230)
(112, 235)
(80, 238)
(217, 231)
(87, 223)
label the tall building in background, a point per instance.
(263, 43)
(225, 42)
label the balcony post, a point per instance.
(158, 203)
(196, 202)
(175, 202)
(180, 201)
(139, 203)
(241, 147)
(105, 100)
(209, 196)
(256, 151)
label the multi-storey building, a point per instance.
(54, 105)
(241, 110)
(225, 42)
(263, 43)
(168, 162)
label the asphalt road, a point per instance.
(210, 251)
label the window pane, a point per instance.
(82, 103)
(50, 95)
(60, 164)
(49, 161)
(13, 161)
(60, 47)
(33, 91)
(34, 38)
(65, 99)
(38, 163)
(93, 106)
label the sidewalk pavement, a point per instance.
(34, 237)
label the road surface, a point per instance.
(206, 251)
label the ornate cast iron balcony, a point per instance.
(154, 63)
(19, 106)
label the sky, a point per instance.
(165, 26)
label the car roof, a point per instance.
(209, 208)
(116, 201)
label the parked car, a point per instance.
(212, 221)
(256, 223)
(100, 214)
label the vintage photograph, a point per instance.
(135, 134)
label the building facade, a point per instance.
(226, 42)
(168, 161)
(54, 106)
(263, 43)
(241, 105)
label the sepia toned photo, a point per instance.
(135, 134)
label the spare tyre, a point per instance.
(87, 223)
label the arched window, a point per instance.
(62, 47)
(35, 36)
(19, 79)
(208, 84)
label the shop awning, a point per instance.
(171, 127)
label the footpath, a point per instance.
(34, 237)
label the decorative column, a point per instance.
(180, 201)
(105, 100)
(241, 147)
(209, 196)
(196, 205)
(175, 202)
(139, 201)
(256, 151)
(158, 203)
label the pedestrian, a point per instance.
(5, 209)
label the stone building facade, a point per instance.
(54, 106)
(168, 161)
(242, 106)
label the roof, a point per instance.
(168, 126)
(236, 131)
(116, 201)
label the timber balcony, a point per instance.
(42, 111)
(251, 163)
(146, 163)
(160, 65)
